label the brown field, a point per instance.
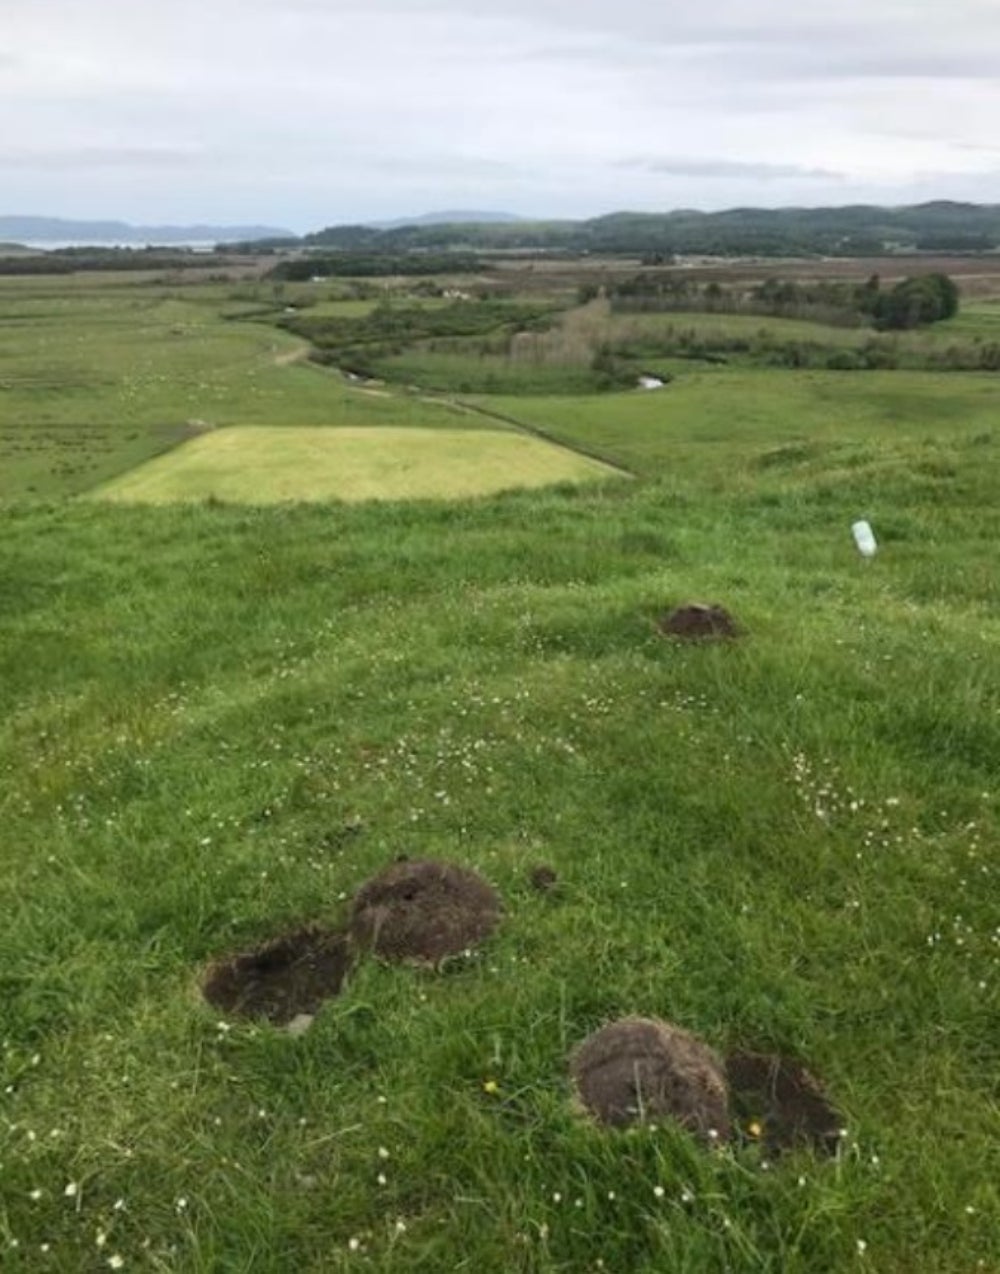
(979, 276)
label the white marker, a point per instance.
(864, 538)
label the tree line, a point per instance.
(914, 302)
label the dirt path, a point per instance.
(289, 356)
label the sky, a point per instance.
(307, 113)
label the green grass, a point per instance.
(975, 319)
(216, 721)
(262, 465)
(94, 380)
(745, 325)
(473, 373)
(726, 425)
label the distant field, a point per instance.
(98, 376)
(99, 372)
(728, 418)
(977, 319)
(266, 465)
(472, 373)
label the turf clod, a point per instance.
(543, 879)
(424, 911)
(699, 621)
(639, 1069)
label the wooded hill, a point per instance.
(858, 230)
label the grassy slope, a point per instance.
(789, 843)
(805, 423)
(265, 465)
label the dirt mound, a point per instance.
(777, 1100)
(698, 621)
(543, 878)
(286, 978)
(423, 911)
(639, 1069)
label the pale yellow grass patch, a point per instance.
(267, 464)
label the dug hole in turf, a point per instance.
(776, 1100)
(282, 980)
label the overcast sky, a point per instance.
(304, 113)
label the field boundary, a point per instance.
(590, 453)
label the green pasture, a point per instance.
(266, 465)
(976, 319)
(746, 339)
(96, 379)
(219, 716)
(736, 424)
(472, 372)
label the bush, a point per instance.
(926, 298)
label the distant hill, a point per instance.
(60, 230)
(858, 230)
(458, 218)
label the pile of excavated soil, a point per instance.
(641, 1069)
(697, 621)
(543, 878)
(283, 979)
(423, 911)
(785, 1102)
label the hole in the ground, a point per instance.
(286, 978)
(776, 1100)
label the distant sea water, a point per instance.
(197, 245)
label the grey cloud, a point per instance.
(749, 170)
(810, 61)
(310, 111)
(428, 164)
(859, 38)
(91, 157)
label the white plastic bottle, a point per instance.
(864, 538)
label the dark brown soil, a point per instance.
(424, 911)
(284, 978)
(788, 1104)
(697, 621)
(543, 878)
(641, 1069)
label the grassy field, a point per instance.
(262, 465)
(742, 427)
(591, 348)
(95, 379)
(216, 721)
(977, 322)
